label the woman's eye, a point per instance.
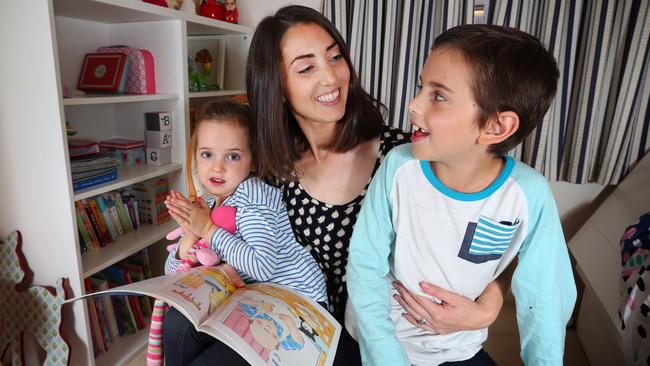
(233, 156)
(418, 86)
(206, 155)
(305, 70)
(337, 57)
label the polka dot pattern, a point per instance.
(326, 229)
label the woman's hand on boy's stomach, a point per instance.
(454, 313)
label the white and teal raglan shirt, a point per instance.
(413, 228)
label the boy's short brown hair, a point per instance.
(512, 71)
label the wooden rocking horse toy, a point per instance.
(28, 309)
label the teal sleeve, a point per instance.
(543, 283)
(368, 265)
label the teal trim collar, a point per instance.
(460, 196)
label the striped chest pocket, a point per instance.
(487, 239)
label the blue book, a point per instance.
(95, 180)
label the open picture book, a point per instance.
(267, 324)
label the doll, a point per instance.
(231, 14)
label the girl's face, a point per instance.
(230, 4)
(223, 156)
(315, 74)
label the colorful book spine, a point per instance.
(84, 237)
(108, 220)
(94, 207)
(112, 210)
(94, 240)
(93, 223)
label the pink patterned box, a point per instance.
(141, 78)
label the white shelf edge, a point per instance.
(215, 93)
(125, 348)
(127, 175)
(94, 261)
(128, 11)
(109, 99)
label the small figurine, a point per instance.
(198, 78)
(188, 6)
(231, 13)
(211, 9)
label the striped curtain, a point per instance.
(596, 128)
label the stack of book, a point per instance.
(151, 196)
(88, 167)
(114, 316)
(103, 218)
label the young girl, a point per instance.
(262, 247)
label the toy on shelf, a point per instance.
(212, 9)
(198, 78)
(28, 309)
(188, 6)
(162, 3)
(231, 14)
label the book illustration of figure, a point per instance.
(265, 327)
(220, 287)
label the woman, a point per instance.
(321, 137)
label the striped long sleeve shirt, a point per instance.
(264, 249)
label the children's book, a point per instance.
(267, 324)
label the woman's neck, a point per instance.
(318, 136)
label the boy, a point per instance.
(453, 210)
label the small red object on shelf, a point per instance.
(162, 3)
(212, 9)
(231, 14)
(104, 72)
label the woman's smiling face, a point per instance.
(316, 77)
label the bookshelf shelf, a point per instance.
(130, 11)
(127, 175)
(125, 348)
(94, 261)
(216, 93)
(59, 33)
(89, 99)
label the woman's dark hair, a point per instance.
(279, 139)
(217, 111)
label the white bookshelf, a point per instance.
(125, 348)
(96, 260)
(215, 93)
(127, 175)
(51, 37)
(89, 99)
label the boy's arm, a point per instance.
(543, 285)
(368, 266)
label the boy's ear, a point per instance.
(499, 128)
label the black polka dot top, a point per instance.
(325, 229)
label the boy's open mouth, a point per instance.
(418, 133)
(217, 181)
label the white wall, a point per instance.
(575, 203)
(252, 11)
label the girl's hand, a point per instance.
(187, 233)
(455, 313)
(191, 216)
